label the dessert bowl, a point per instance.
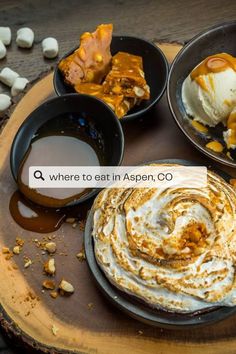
(91, 117)
(155, 69)
(127, 299)
(217, 39)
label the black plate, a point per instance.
(135, 308)
(218, 39)
(155, 69)
(100, 120)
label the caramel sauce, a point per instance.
(60, 142)
(214, 64)
(215, 146)
(33, 217)
(231, 124)
(36, 218)
(65, 140)
(199, 127)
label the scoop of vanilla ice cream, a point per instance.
(213, 101)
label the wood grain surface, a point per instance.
(168, 21)
(101, 328)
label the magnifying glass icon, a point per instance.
(38, 175)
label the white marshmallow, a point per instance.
(5, 102)
(19, 85)
(25, 37)
(3, 50)
(50, 47)
(5, 35)
(8, 76)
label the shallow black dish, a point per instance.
(220, 38)
(102, 122)
(155, 69)
(135, 308)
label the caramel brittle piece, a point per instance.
(89, 88)
(117, 103)
(91, 61)
(127, 77)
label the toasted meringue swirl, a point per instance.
(175, 248)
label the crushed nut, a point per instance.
(16, 250)
(54, 330)
(66, 287)
(51, 247)
(5, 250)
(49, 284)
(74, 225)
(70, 220)
(139, 92)
(81, 255)
(54, 294)
(140, 333)
(82, 225)
(49, 266)
(9, 256)
(28, 262)
(20, 242)
(90, 305)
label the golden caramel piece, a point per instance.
(89, 88)
(91, 61)
(127, 77)
(117, 102)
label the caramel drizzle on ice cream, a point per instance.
(214, 64)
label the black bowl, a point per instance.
(99, 116)
(155, 69)
(220, 38)
(137, 309)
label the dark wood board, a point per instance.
(99, 329)
(162, 20)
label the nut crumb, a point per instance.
(82, 225)
(81, 255)
(28, 262)
(5, 250)
(54, 294)
(49, 266)
(16, 250)
(49, 284)
(51, 247)
(54, 330)
(140, 333)
(70, 220)
(90, 305)
(20, 242)
(66, 287)
(74, 225)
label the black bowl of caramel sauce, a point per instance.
(71, 130)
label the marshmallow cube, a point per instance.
(25, 37)
(19, 85)
(5, 35)
(5, 102)
(8, 76)
(3, 50)
(50, 47)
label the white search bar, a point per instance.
(117, 176)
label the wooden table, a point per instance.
(169, 21)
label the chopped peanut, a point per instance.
(49, 266)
